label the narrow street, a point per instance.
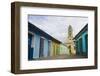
(61, 57)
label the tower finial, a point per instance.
(70, 31)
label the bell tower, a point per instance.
(70, 41)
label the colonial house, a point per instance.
(81, 41)
(41, 44)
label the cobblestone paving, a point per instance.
(61, 57)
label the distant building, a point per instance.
(81, 41)
(70, 41)
(41, 44)
(64, 50)
(55, 48)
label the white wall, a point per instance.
(5, 42)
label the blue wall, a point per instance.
(82, 42)
(37, 46)
(37, 35)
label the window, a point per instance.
(54, 48)
(41, 47)
(49, 47)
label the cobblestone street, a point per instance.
(61, 57)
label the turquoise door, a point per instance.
(86, 44)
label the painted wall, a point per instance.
(36, 42)
(55, 48)
(37, 46)
(81, 43)
(84, 42)
(63, 50)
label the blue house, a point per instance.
(81, 42)
(39, 42)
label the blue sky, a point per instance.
(57, 26)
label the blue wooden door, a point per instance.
(30, 49)
(86, 44)
(41, 47)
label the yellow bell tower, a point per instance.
(70, 41)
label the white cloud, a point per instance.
(57, 26)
